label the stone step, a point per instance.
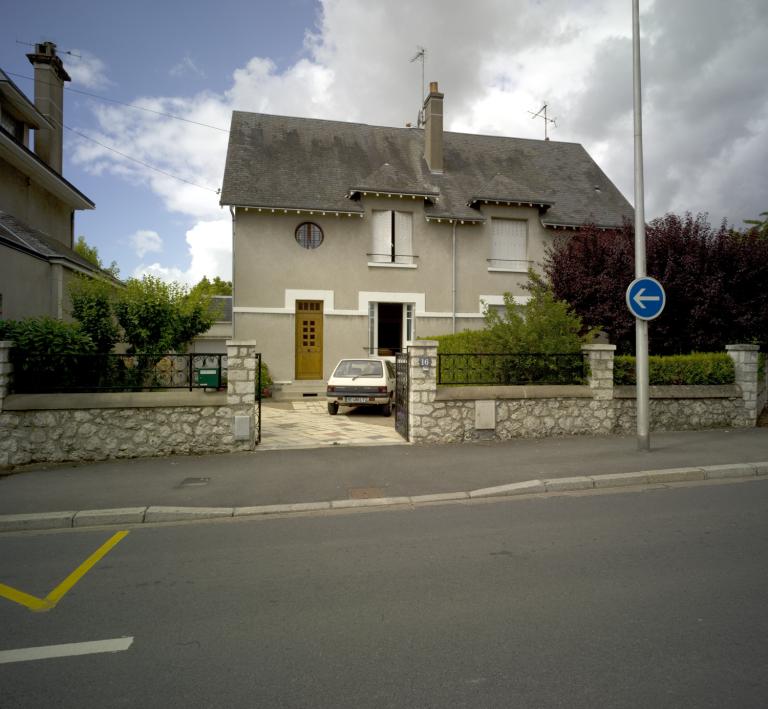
(299, 391)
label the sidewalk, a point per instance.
(266, 477)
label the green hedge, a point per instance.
(697, 368)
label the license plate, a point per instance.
(356, 399)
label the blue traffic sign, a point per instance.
(646, 298)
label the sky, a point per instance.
(705, 97)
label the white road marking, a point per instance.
(46, 652)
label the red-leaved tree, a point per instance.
(715, 281)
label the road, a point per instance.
(648, 598)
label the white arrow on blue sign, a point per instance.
(646, 298)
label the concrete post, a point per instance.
(600, 359)
(745, 363)
(422, 385)
(6, 369)
(241, 388)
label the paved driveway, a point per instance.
(307, 424)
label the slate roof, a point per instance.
(18, 235)
(306, 163)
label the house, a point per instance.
(37, 204)
(214, 339)
(352, 240)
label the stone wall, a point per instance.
(78, 427)
(450, 413)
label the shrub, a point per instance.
(697, 368)
(39, 344)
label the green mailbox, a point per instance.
(209, 378)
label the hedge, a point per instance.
(696, 368)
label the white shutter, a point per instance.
(403, 237)
(509, 244)
(381, 249)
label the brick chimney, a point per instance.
(49, 100)
(433, 129)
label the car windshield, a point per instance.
(359, 368)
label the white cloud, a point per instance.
(186, 66)
(210, 252)
(705, 100)
(146, 241)
(87, 70)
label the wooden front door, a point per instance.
(309, 339)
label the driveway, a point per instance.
(307, 424)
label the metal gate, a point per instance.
(257, 407)
(401, 394)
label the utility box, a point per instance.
(209, 378)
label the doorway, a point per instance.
(309, 339)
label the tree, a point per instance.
(542, 325)
(760, 225)
(714, 280)
(158, 317)
(92, 301)
(91, 254)
(215, 287)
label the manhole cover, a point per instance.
(194, 482)
(365, 493)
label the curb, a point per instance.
(159, 514)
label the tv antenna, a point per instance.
(420, 55)
(542, 113)
(59, 51)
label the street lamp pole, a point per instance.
(641, 326)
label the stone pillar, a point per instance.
(600, 360)
(422, 386)
(241, 388)
(745, 363)
(6, 369)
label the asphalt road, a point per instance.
(652, 598)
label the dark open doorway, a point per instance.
(390, 334)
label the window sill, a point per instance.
(507, 270)
(372, 264)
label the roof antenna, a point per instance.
(422, 55)
(60, 51)
(542, 113)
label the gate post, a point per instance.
(422, 376)
(241, 388)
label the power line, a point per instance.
(123, 103)
(140, 162)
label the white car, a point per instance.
(362, 382)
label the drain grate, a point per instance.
(365, 493)
(194, 482)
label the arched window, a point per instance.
(309, 235)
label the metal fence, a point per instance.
(114, 372)
(511, 368)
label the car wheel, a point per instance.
(387, 409)
(333, 408)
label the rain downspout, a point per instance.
(453, 281)
(232, 212)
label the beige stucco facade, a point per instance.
(35, 205)
(272, 271)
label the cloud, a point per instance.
(87, 70)
(186, 66)
(210, 252)
(705, 101)
(146, 241)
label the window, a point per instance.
(392, 238)
(509, 245)
(390, 327)
(309, 235)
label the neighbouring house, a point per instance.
(352, 240)
(214, 339)
(37, 204)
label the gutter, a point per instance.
(453, 279)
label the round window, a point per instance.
(309, 235)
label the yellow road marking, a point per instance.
(49, 602)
